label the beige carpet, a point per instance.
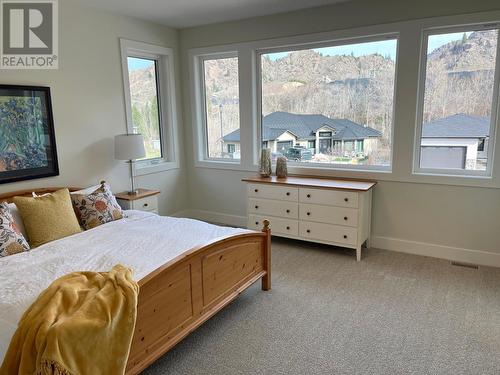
(392, 313)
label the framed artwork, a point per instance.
(27, 139)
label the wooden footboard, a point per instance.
(178, 297)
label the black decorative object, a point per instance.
(27, 139)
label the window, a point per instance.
(480, 146)
(349, 145)
(148, 78)
(334, 94)
(143, 81)
(360, 145)
(458, 101)
(221, 107)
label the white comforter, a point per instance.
(142, 241)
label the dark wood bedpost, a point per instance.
(266, 280)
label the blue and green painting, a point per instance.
(23, 133)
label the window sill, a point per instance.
(451, 175)
(338, 167)
(217, 164)
(363, 174)
(145, 168)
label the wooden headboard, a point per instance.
(7, 197)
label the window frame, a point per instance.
(334, 42)
(405, 107)
(166, 96)
(197, 61)
(495, 104)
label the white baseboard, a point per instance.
(213, 217)
(483, 258)
(182, 213)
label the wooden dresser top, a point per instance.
(141, 193)
(314, 182)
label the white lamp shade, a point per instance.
(129, 147)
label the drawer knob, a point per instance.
(308, 231)
(345, 218)
(346, 199)
(287, 228)
(256, 190)
(308, 214)
(345, 236)
(288, 193)
(256, 207)
(308, 195)
(287, 211)
(145, 205)
(256, 223)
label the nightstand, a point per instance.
(144, 200)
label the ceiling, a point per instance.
(187, 13)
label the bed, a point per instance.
(192, 270)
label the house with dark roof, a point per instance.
(321, 134)
(458, 141)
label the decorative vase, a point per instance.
(281, 167)
(265, 163)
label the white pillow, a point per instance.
(87, 191)
(17, 219)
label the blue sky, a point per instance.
(384, 47)
(436, 41)
(135, 63)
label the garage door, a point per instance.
(442, 157)
(283, 146)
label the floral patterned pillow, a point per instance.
(11, 239)
(97, 208)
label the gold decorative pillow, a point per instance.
(97, 208)
(11, 239)
(48, 217)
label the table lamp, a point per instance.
(130, 147)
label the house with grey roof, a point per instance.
(320, 134)
(459, 141)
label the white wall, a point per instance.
(88, 102)
(409, 213)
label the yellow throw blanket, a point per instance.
(82, 324)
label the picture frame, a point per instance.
(27, 138)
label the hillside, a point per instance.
(459, 79)
(142, 85)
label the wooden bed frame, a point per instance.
(182, 294)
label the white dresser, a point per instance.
(335, 212)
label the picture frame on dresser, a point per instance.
(27, 138)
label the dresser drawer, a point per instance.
(328, 232)
(273, 208)
(329, 214)
(146, 204)
(329, 197)
(278, 225)
(282, 193)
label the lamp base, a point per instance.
(134, 192)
